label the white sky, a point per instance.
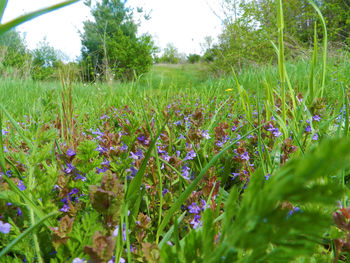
(184, 23)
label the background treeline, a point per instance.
(113, 49)
(250, 26)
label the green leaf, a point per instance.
(15, 22)
(3, 4)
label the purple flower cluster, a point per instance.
(72, 194)
(190, 155)
(186, 171)
(275, 132)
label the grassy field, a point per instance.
(176, 167)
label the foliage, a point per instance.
(111, 47)
(249, 26)
(45, 62)
(170, 55)
(275, 220)
(14, 53)
(193, 58)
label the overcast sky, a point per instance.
(185, 23)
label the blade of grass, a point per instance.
(167, 236)
(313, 66)
(281, 60)
(15, 22)
(325, 43)
(3, 4)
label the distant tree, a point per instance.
(45, 61)
(170, 55)
(13, 50)
(193, 58)
(111, 46)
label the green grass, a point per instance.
(152, 107)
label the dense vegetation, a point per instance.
(176, 166)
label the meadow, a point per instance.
(179, 166)
(176, 167)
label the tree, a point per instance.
(45, 61)
(250, 26)
(193, 58)
(170, 55)
(111, 47)
(14, 53)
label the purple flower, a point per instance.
(165, 191)
(74, 191)
(69, 168)
(315, 137)
(124, 147)
(141, 138)
(186, 172)
(276, 133)
(206, 135)
(5, 149)
(166, 157)
(133, 171)
(220, 144)
(245, 156)
(80, 177)
(3, 132)
(21, 185)
(194, 208)
(178, 123)
(65, 208)
(133, 156)
(294, 210)
(70, 152)
(267, 176)
(182, 137)
(105, 162)
(116, 232)
(78, 260)
(104, 117)
(308, 129)
(101, 149)
(98, 132)
(5, 228)
(235, 175)
(316, 118)
(190, 155)
(196, 222)
(204, 204)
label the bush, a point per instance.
(193, 58)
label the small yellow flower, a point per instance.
(229, 90)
